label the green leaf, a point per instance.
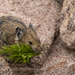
(19, 53)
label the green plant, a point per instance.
(17, 53)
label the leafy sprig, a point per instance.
(17, 53)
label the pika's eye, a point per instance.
(30, 42)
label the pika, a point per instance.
(16, 31)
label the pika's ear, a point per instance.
(31, 26)
(19, 33)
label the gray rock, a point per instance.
(60, 62)
(60, 2)
(43, 14)
(67, 29)
(4, 67)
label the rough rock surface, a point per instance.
(60, 2)
(43, 14)
(60, 62)
(67, 29)
(4, 67)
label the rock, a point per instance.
(4, 67)
(60, 2)
(27, 71)
(38, 61)
(42, 14)
(67, 28)
(61, 61)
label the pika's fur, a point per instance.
(16, 31)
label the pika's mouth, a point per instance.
(39, 50)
